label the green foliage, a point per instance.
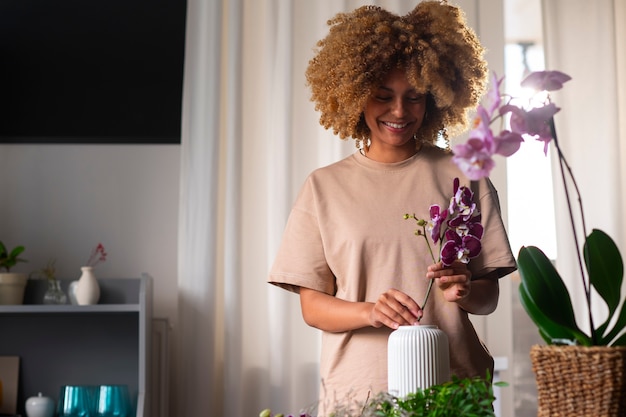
(546, 300)
(9, 259)
(468, 397)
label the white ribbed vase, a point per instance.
(417, 357)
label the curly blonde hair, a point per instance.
(433, 44)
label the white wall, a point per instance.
(59, 201)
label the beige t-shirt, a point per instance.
(347, 236)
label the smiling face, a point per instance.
(394, 113)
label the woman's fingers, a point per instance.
(454, 280)
(395, 308)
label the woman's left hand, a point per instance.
(454, 280)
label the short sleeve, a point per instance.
(300, 261)
(496, 252)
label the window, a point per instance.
(529, 172)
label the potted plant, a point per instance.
(468, 397)
(12, 284)
(578, 372)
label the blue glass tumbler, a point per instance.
(113, 401)
(75, 401)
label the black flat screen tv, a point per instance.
(91, 71)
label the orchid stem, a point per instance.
(432, 255)
(430, 284)
(563, 164)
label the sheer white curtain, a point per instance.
(249, 138)
(587, 40)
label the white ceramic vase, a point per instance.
(417, 358)
(87, 289)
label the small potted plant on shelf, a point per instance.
(12, 284)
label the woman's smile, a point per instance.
(394, 113)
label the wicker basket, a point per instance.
(580, 381)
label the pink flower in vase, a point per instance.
(98, 254)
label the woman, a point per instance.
(397, 85)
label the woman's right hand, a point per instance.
(393, 309)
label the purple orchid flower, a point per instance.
(462, 202)
(493, 97)
(471, 228)
(437, 218)
(459, 248)
(481, 129)
(474, 158)
(546, 80)
(534, 122)
(507, 143)
(462, 230)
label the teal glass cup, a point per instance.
(75, 401)
(112, 401)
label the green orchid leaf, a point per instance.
(620, 324)
(546, 337)
(621, 341)
(549, 329)
(606, 270)
(540, 320)
(545, 287)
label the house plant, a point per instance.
(578, 372)
(468, 397)
(12, 284)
